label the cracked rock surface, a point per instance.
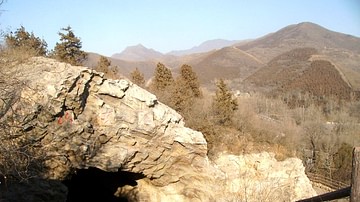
(90, 121)
(82, 119)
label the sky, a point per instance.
(109, 26)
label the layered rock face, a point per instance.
(82, 120)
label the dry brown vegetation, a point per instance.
(283, 69)
(20, 159)
(296, 73)
(309, 111)
(321, 79)
(321, 135)
(323, 141)
(231, 62)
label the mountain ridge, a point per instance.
(305, 34)
(141, 53)
(240, 60)
(207, 46)
(138, 53)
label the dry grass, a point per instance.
(19, 158)
(268, 124)
(256, 126)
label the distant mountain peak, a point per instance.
(308, 24)
(138, 46)
(138, 53)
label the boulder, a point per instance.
(80, 120)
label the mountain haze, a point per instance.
(124, 67)
(206, 47)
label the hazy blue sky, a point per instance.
(108, 26)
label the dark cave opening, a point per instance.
(94, 184)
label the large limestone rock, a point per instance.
(260, 177)
(80, 119)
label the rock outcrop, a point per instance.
(80, 119)
(260, 177)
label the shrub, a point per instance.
(137, 77)
(69, 48)
(20, 158)
(21, 40)
(224, 104)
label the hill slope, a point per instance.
(282, 69)
(299, 71)
(321, 79)
(340, 49)
(304, 34)
(227, 63)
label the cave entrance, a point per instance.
(94, 184)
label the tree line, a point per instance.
(183, 92)
(67, 50)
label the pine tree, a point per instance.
(224, 104)
(190, 80)
(25, 41)
(181, 96)
(103, 64)
(186, 88)
(137, 77)
(163, 78)
(69, 48)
